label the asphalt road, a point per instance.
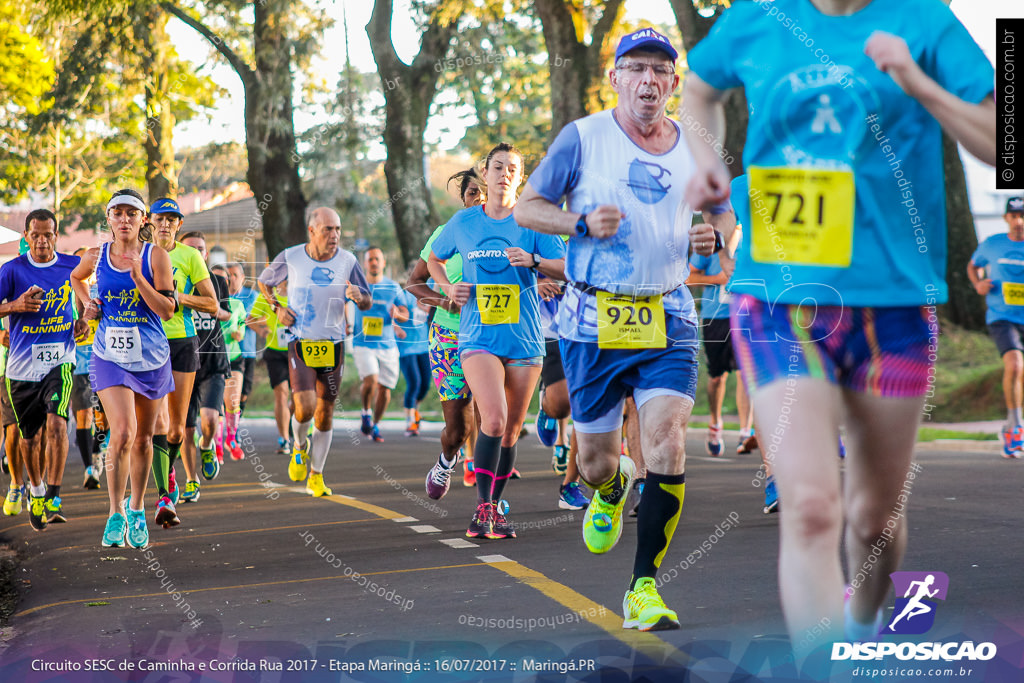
(263, 583)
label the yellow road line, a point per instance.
(358, 504)
(597, 614)
(106, 598)
(158, 544)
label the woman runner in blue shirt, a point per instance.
(129, 369)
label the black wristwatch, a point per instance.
(536, 260)
(581, 225)
(719, 242)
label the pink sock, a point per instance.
(231, 426)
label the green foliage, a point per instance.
(496, 73)
(211, 166)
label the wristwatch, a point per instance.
(581, 225)
(719, 242)
(536, 260)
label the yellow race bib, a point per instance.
(1013, 293)
(498, 304)
(801, 216)
(318, 354)
(91, 336)
(373, 327)
(630, 322)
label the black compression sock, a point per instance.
(661, 504)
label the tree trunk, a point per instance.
(270, 131)
(408, 93)
(964, 307)
(567, 63)
(576, 69)
(161, 172)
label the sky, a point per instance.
(227, 123)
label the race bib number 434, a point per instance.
(123, 344)
(45, 357)
(627, 322)
(802, 216)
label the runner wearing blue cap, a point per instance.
(997, 272)
(627, 322)
(195, 290)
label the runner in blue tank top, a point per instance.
(860, 140)
(130, 369)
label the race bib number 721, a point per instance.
(801, 216)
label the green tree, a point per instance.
(25, 79)
(575, 65)
(211, 166)
(493, 69)
(280, 39)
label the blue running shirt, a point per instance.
(42, 340)
(372, 329)
(130, 333)
(482, 241)
(1004, 260)
(415, 329)
(819, 103)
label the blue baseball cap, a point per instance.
(165, 205)
(1015, 205)
(648, 38)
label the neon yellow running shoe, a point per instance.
(315, 486)
(12, 504)
(602, 523)
(644, 609)
(297, 461)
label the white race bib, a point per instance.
(45, 357)
(123, 344)
(724, 297)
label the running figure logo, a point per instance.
(914, 613)
(56, 299)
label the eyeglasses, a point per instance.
(638, 68)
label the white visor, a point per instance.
(126, 199)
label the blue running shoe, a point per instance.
(113, 534)
(191, 494)
(714, 442)
(367, 426)
(211, 466)
(560, 459)
(138, 533)
(771, 497)
(1013, 442)
(570, 497)
(547, 428)
(375, 433)
(842, 447)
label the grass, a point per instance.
(932, 434)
